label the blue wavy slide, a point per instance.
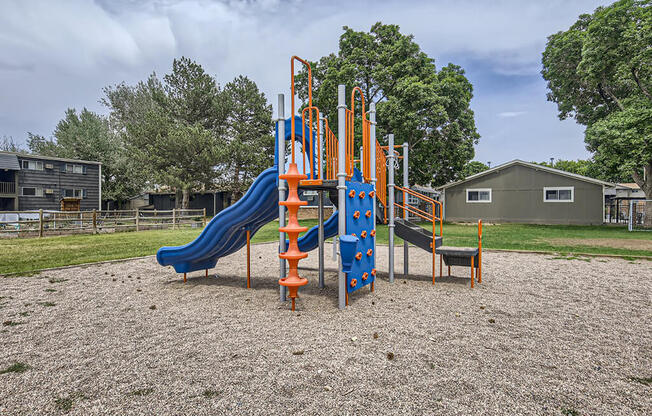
(226, 233)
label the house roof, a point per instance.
(60, 159)
(630, 185)
(9, 161)
(533, 166)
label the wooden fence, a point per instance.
(41, 223)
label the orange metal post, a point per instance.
(184, 278)
(248, 259)
(479, 251)
(449, 271)
(206, 272)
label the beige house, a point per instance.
(524, 192)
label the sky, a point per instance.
(59, 55)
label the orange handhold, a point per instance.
(373, 272)
(365, 276)
(353, 234)
(293, 281)
(370, 252)
(368, 213)
(359, 255)
(372, 194)
(363, 234)
(351, 193)
(372, 233)
(356, 215)
(354, 282)
(362, 194)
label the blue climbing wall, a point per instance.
(361, 227)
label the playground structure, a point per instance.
(361, 188)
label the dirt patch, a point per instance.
(603, 242)
(538, 336)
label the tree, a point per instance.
(88, 136)
(599, 72)
(427, 108)
(586, 167)
(39, 145)
(7, 144)
(173, 129)
(249, 135)
(473, 167)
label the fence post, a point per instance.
(203, 220)
(174, 210)
(94, 222)
(137, 220)
(40, 222)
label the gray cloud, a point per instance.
(60, 54)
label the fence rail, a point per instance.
(41, 223)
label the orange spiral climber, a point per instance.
(293, 281)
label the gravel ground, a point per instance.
(541, 335)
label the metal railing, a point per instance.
(427, 216)
(41, 223)
(8, 188)
(638, 220)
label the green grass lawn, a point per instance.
(25, 255)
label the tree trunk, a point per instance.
(177, 198)
(186, 198)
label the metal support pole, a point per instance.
(320, 214)
(341, 188)
(372, 163)
(361, 162)
(406, 184)
(390, 203)
(281, 189)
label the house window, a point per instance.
(31, 191)
(478, 195)
(559, 194)
(32, 165)
(74, 168)
(74, 193)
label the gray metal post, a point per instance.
(372, 163)
(341, 188)
(406, 185)
(320, 214)
(281, 189)
(390, 203)
(361, 161)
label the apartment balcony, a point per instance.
(8, 189)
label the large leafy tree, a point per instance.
(472, 168)
(88, 136)
(599, 72)
(173, 128)
(250, 143)
(427, 108)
